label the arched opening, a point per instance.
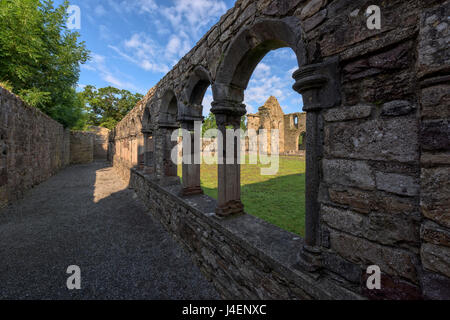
(191, 118)
(241, 65)
(302, 141)
(147, 149)
(168, 123)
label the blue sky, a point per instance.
(134, 43)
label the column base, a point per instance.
(231, 208)
(310, 259)
(191, 191)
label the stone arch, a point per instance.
(301, 141)
(244, 53)
(249, 47)
(169, 109)
(168, 122)
(146, 119)
(197, 84)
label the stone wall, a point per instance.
(290, 127)
(101, 142)
(81, 147)
(377, 143)
(33, 147)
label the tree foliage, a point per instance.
(40, 58)
(107, 106)
(210, 123)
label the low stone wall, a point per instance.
(33, 147)
(81, 147)
(244, 257)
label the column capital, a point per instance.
(228, 112)
(319, 84)
(190, 113)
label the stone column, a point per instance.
(191, 158)
(319, 86)
(229, 169)
(168, 170)
(148, 151)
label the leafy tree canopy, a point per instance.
(210, 123)
(40, 58)
(107, 106)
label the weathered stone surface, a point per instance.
(436, 258)
(397, 58)
(434, 38)
(435, 202)
(397, 183)
(348, 173)
(315, 20)
(350, 271)
(435, 286)
(81, 147)
(393, 139)
(311, 8)
(435, 135)
(389, 229)
(33, 147)
(365, 153)
(391, 261)
(430, 159)
(282, 7)
(367, 201)
(380, 227)
(435, 234)
(348, 32)
(436, 102)
(397, 108)
(391, 289)
(348, 113)
(344, 220)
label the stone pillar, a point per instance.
(319, 86)
(229, 184)
(168, 170)
(149, 166)
(191, 158)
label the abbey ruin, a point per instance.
(291, 127)
(376, 117)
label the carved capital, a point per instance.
(228, 113)
(168, 125)
(191, 113)
(319, 84)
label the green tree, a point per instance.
(210, 123)
(40, 58)
(105, 107)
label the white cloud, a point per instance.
(143, 52)
(98, 65)
(100, 10)
(261, 71)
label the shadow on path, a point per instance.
(86, 216)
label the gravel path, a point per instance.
(86, 216)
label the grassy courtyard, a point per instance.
(278, 199)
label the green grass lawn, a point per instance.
(278, 199)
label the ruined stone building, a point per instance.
(291, 127)
(376, 104)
